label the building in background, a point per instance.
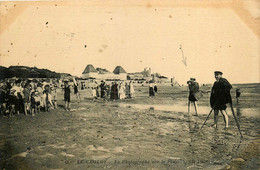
(120, 73)
(102, 74)
(90, 72)
(98, 74)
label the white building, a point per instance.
(120, 73)
(102, 74)
(90, 72)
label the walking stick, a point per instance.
(238, 126)
(188, 100)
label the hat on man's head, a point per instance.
(218, 72)
(192, 79)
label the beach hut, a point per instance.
(90, 72)
(120, 73)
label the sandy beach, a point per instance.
(139, 133)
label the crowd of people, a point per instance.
(32, 96)
(116, 90)
(27, 96)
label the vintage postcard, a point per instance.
(113, 84)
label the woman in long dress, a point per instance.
(151, 89)
(122, 91)
(76, 91)
(127, 90)
(114, 91)
(132, 90)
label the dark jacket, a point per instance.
(220, 94)
(194, 87)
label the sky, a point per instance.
(66, 37)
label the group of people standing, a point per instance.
(152, 89)
(219, 98)
(122, 90)
(115, 91)
(27, 96)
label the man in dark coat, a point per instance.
(151, 89)
(114, 91)
(103, 89)
(193, 89)
(67, 94)
(220, 96)
(238, 93)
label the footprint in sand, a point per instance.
(93, 148)
(23, 154)
(67, 155)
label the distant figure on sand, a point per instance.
(220, 96)
(114, 91)
(193, 90)
(54, 95)
(151, 89)
(76, 90)
(26, 98)
(98, 91)
(103, 89)
(47, 97)
(122, 91)
(132, 90)
(155, 89)
(93, 93)
(67, 95)
(127, 90)
(238, 93)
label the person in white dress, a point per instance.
(132, 90)
(122, 91)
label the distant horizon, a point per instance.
(127, 73)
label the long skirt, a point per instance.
(151, 92)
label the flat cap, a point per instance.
(218, 72)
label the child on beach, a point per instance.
(3, 99)
(37, 102)
(54, 95)
(16, 98)
(40, 94)
(75, 87)
(33, 103)
(26, 98)
(47, 97)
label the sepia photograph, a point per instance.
(137, 84)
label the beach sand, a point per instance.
(140, 133)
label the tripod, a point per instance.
(238, 126)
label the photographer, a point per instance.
(220, 96)
(193, 94)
